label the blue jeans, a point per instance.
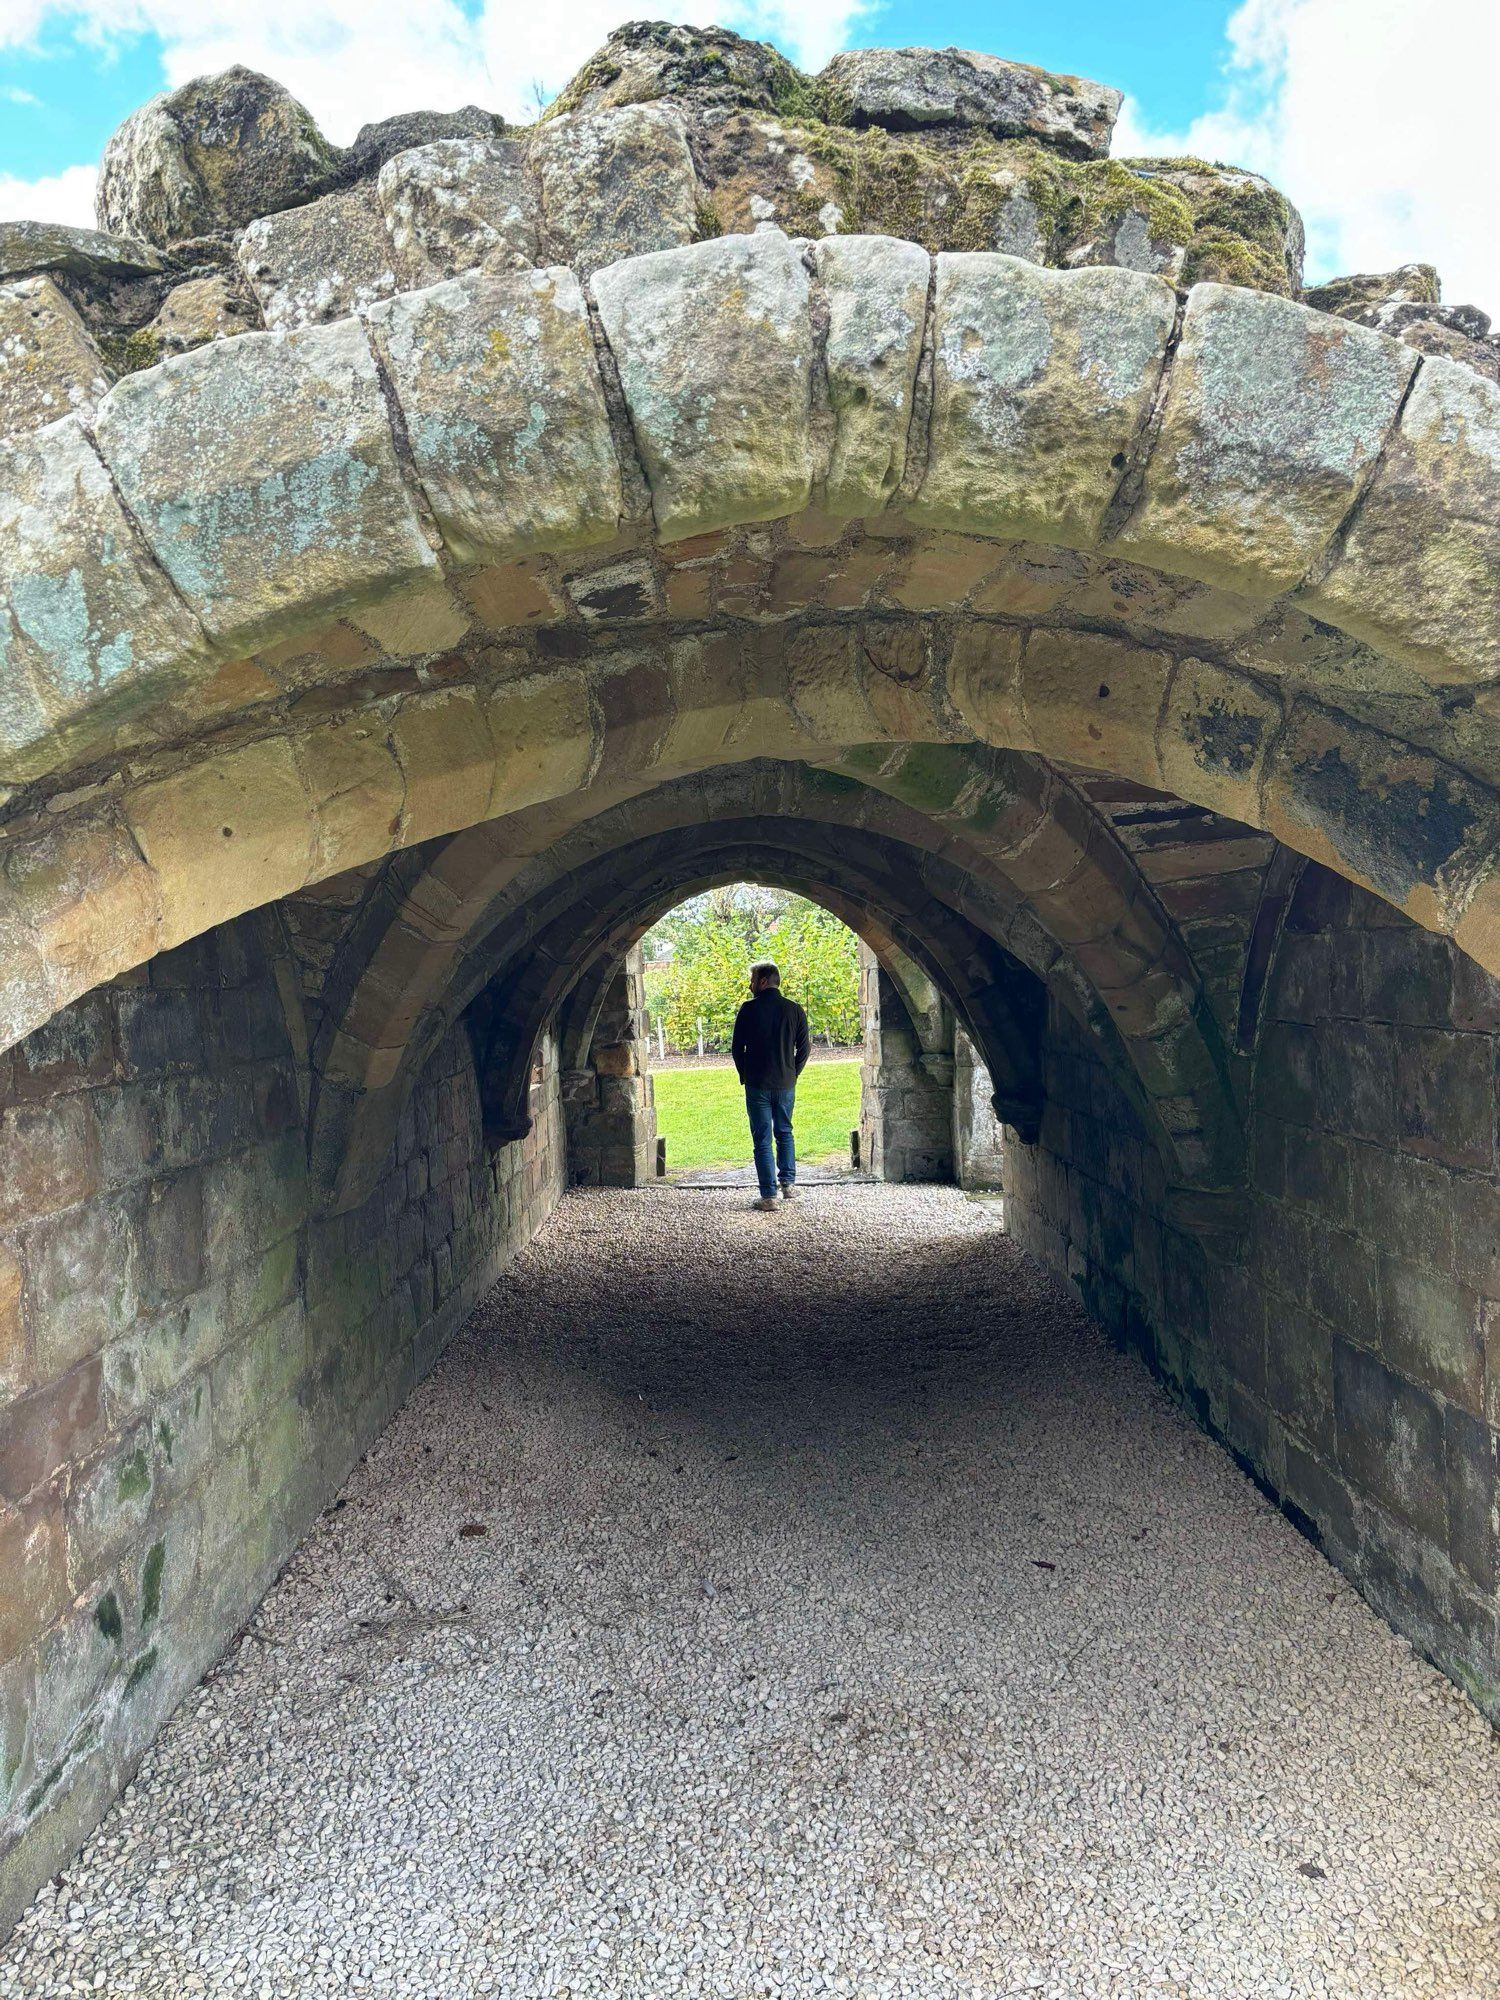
(770, 1113)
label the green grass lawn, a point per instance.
(701, 1115)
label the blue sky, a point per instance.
(1347, 104)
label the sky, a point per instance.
(1373, 115)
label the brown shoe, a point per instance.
(766, 1201)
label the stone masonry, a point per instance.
(609, 1109)
(422, 563)
(1340, 1335)
(191, 1358)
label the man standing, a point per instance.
(770, 1048)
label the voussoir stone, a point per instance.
(87, 620)
(876, 291)
(1273, 417)
(460, 205)
(1042, 381)
(1418, 575)
(265, 478)
(210, 156)
(907, 90)
(616, 184)
(505, 412)
(714, 347)
(49, 364)
(319, 262)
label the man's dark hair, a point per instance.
(765, 972)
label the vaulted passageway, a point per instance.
(727, 1614)
(1122, 657)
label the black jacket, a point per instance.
(771, 1043)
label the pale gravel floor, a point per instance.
(757, 1684)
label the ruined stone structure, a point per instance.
(422, 564)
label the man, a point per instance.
(770, 1048)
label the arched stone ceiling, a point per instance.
(907, 439)
(992, 837)
(860, 878)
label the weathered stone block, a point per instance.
(1473, 1467)
(1423, 548)
(876, 290)
(1357, 1081)
(1369, 807)
(87, 620)
(253, 1200)
(199, 311)
(1430, 1330)
(88, 254)
(224, 836)
(708, 67)
(1273, 417)
(56, 1425)
(320, 262)
(505, 412)
(159, 1030)
(909, 90)
(1042, 381)
(1094, 700)
(256, 1376)
(33, 1561)
(1214, 734)
(1407, 975)
(108, 1502)
(210, 156)
(307, 514)
(460, 204)
(1390, 1440)
(49, 365)
(72, 1051)
(171, 1263)
(82, 1278)
(616, 183)
(1445, 1097)
(1341, 1284)
(49, 1159)
(714, 348)
(182, 1433)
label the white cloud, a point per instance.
(64, 197)
(1369, 113)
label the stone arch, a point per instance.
(1359, 500)
(603, 910)
(1092, 928)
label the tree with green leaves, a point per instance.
(699, 957)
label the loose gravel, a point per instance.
(784, 1605)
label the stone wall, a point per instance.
(1346, 1345)
(905, 1088)
(609, 1103)
(978, 1136)
(189, 1363)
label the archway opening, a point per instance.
(696, 965)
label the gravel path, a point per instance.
(846, 1619)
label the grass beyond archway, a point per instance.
(701, 1115)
